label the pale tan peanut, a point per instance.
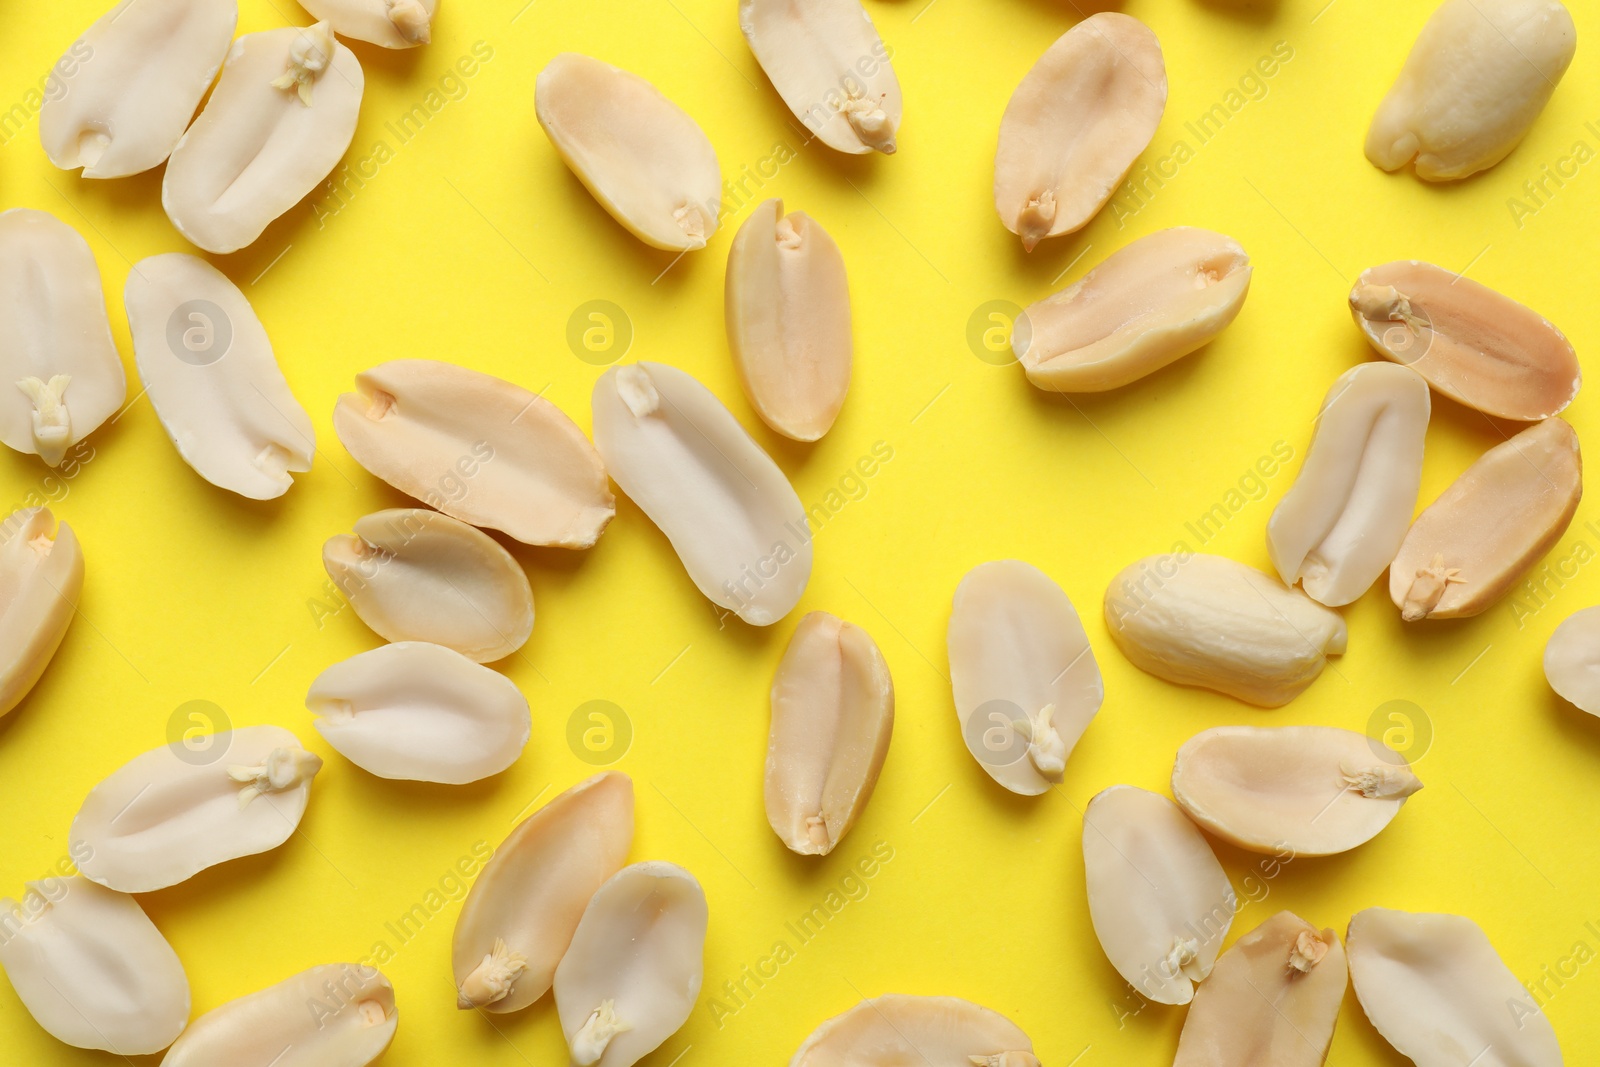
(1494, 522)
(639, 154)
(1478, 76)
(1472, 344)
(1572, 660)
(1195, 619)
(520, 916)
(1272, 999)
(832, 715)
(416, 575)
(1147, 305)
(41, 578)
(1336, 529)
(1437, 991)
(92, 969)
(126, 90)
(895, 1030)
(788, 313)
(1075, 125)
(828, 63)
(279, 120)
(1310, 790)
(335, 1015)
(390, 23)
(60, 376)
(479, 449)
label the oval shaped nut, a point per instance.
(335, 1015)
(41, 578)
(632, 974)
(520, 915)
(126, 90)
(1572, 660)
(788, 312)
(1336, 529)
(1478, 76)
(212, 378)
(390, 23)
(1313, 790)
(420, 712)
(1494, 522)
(417, 575)
(1149, 304)
(60, 376)
(1472, 344)
(1025, 681)
(169, 813)
(640, 155)
(727, 508)
(92, 969)
(830, 66)
(897, 1029)
(1273, 998)
(832, 715)
(1160, 902)
(1208, 621)
(1075, 125)
(1437, 991)
(479, 449)
(279, 120)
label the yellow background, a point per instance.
(473, 243)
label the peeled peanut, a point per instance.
(1475, 81)
(788, 312)
(41, 578)
(1147, 305)
(1075, 125)
(1336, 529)
(390, 23)
(896, 1030)
(1204, 620)
(1472, 344)
(641, 156)
(1494, 522)
(1572, 660)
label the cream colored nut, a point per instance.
(60, 376)
(335, 1015)
(1075, 125)
(1438, 992)
(92, 969)
(1208, 621)
(730, 513)
(1273, 998)
(1160, 902)
(788, 312)
(279, 120)
(1025, 681)
(1475, 81)
(1310, 790)
(208, 368)
(520, 916)
(420, 712)
(1472, 344)
(832, 714)
(895, 1030)
(828, 63)
(641, 156)
(417, 575)
(632, 974)
(390, 23)
(1149, 304)
(169, 813)
(1494, 522)
(41, 578)
(1342, 521)
(479, 449)
(1572, 660)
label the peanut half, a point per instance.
(390, 23)
(1494, 522)
(1572, 660)
(1475, 81)
(41, 578)
(788, 312)
(1075, 125)
(1472, 344)
(895, 1030)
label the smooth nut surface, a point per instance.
(895, 1030)
(390, 23)
(1572, 660)
(41, 579)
